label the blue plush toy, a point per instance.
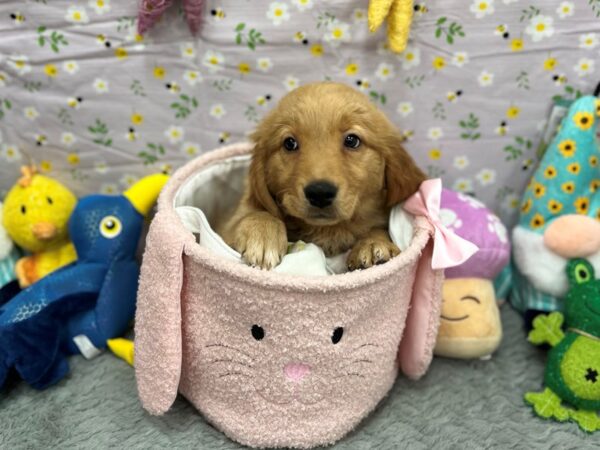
(77, 308)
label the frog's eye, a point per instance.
(581, 271)
(110, 227)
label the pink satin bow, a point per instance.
(449, 249)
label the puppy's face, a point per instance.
(325, 153)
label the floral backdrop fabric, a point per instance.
(98, 106)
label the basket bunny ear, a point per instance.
(444, 250)
(420, 332)
(158, 316)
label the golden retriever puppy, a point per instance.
(326, 168)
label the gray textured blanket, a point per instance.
(462, 405)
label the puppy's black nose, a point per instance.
(320, 193)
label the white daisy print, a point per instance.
(192, 77)
(217, 111)
(303, 5)
(337, 32)
(460, 162)
(278, 13)
(540, 27)
(410, 57)
(565, 9)
(31, 113)
(190, 149)
(589, 40)
(463, 185)
(485, 78)
(482, 8)
(109, 189)
(359, 15)
(128, 180)
(291, 82)
(264, 64)
(174, 134)
(100, 86)
(213, 60)
(384, 71)
(19, 63)
(486, 176)
(584, 67)
(11, 152)
(4, 78)
(435, 133)
(188, 50)
(71, 67)
(101, 167)
(404, 108)
(100, 6)
(459, 59)
(77, 14)
(68, 139)
(510, 203)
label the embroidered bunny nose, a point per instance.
(296, 371)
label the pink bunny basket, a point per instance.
(272, 359)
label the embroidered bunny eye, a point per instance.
(258, 332)
(337, 335)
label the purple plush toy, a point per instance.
(151, 11)
(470, 325)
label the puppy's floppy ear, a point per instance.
(259, 195)
(402, 175)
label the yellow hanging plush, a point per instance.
(35, 215)
(399, 15)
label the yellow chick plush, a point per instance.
(399, 15)
(35, 215)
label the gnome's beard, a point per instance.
(544, 269)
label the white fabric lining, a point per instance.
(212, 194)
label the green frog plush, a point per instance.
(573, 369)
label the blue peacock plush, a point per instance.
(77, 308)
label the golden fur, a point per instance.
(370, 179)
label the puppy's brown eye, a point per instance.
(351, 141)
(290, 144)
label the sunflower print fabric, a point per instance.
(568, 177)
(98, 106)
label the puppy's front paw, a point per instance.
(371, 251)
(261, 239)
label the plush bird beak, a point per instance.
(144, 193)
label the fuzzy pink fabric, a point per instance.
(294, 387)
(150, 12)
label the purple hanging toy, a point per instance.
(150, 11)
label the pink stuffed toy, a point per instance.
(150, 11)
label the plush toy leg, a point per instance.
(547, 405)
(587, 420)
(123, 348)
